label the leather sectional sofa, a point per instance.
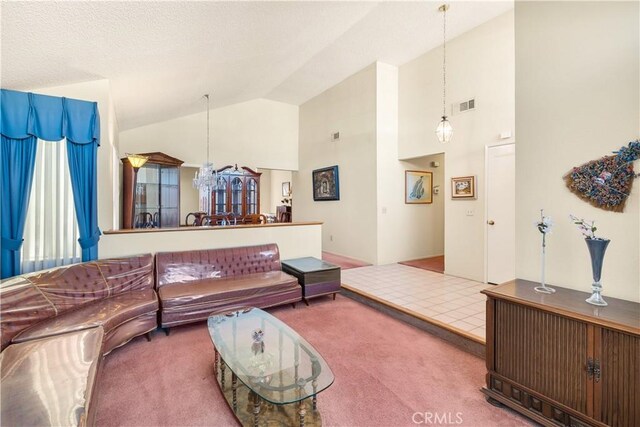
(193, 284)
(56, 325)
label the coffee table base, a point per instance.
(243, 405)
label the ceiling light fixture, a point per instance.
(206, 177)
(444, 131)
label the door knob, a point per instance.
(491, 222)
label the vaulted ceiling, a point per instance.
(160, 57)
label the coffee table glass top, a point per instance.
(309, 264)
(269, 357)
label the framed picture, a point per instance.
(326, 184)
(418, 187)
(463, 187)
(286, 189)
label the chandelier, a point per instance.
(444, 131)
(206, 177)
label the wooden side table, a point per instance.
(316, 277)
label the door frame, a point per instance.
(486, 201)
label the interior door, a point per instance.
(501, 213)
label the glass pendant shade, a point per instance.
(444, 131)
(137, 160)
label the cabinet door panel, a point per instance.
(542, 351)
(619, 356)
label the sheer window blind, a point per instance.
(51, 230)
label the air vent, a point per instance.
(335, 136)
(463, 107)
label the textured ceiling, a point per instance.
(160, 57)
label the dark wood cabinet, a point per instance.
(153, 200)
(237, 192)
(561, 361)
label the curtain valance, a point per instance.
(25, 118)
(51, 118)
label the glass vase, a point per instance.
(597, 248)
(543, 289)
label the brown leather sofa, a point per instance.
(193, 284)
(117, 294)
(51, 381)
(56, 325)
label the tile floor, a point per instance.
(451, 300)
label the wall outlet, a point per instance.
(384, 210)
(331, 237)
(470, 212)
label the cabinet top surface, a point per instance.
(309, 265)
(619, 314)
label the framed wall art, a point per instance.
(418, 187)
(463, 187)
(286, 189)
(326, 184)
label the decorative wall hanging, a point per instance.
(326, 184)
(463, 187)
(417, 187)
(606, 183)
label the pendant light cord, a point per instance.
(207, 96)
(444, 62)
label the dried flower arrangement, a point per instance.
(606, 183)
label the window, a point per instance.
(51, 229)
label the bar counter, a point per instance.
(295, 239)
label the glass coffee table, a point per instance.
(269, 375)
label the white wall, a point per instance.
(350, 108)
(294, 241)
(265, 190)
(577, 99)
(189, 199)
(277, 178)
(480, 64)
(259, 132)
(108, 181)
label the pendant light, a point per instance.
(206, 178)
(444, 131)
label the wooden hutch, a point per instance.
(155, 200)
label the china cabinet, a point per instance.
(237, 192)
(151, 198)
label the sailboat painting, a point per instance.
(418, 187)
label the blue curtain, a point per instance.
(24, 117)
(17, 161)
(84, 181)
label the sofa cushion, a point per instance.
(50, 382)
(231, 288)
(108, 313)
(190, 266)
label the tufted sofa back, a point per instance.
(30, 298)
(188, 266)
